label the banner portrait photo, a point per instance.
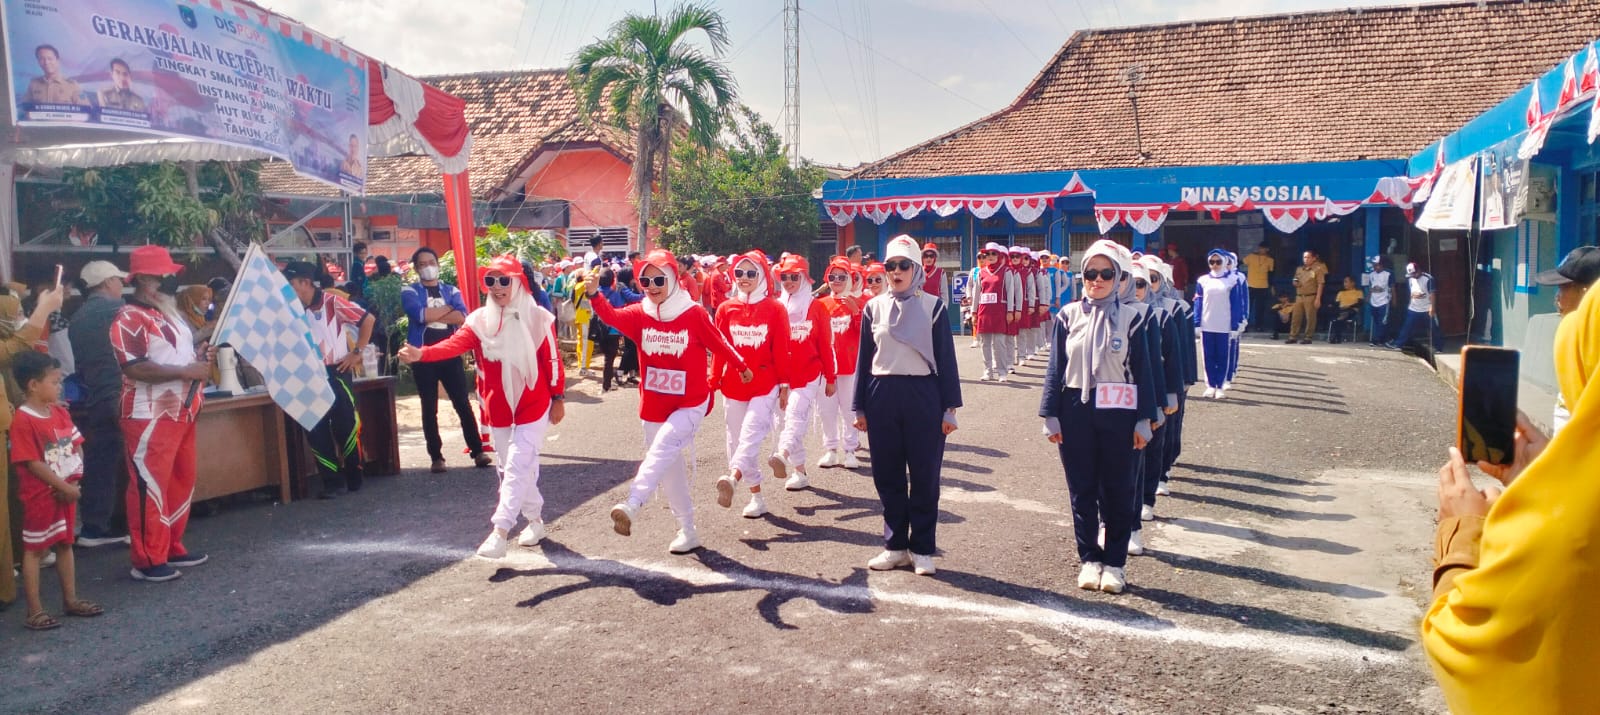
(180, 69)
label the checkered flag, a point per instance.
(265, 323)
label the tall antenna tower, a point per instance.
(791, 78)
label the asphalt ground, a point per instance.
(1286, 575)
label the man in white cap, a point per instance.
(1419, 313)
(104, 464)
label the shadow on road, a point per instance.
(1262, 576)
(1291, 543)
(1059, 601)
(1264, 509)
(1247, 474)
(975, 449)
(1257, 491)
(1266, 619)
(858, 508)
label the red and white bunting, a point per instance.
(1393, 190)
(1075, 186)
(842, 214)
(908, 208)
(1287, 219)
(1539, 121)
(1144, 218)
(1025, 208)
(879, 212)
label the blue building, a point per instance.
(1297, 131)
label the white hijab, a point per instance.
(511, 336)
(757, 295)
(798, 303)
(677, 302)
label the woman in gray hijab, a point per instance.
(907, 392)
(1099, 406)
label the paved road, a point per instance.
(1286, 576)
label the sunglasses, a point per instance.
(789, 277)
(1104, 274)
(1140, 283)
(836, 277)
(497, 281)
(657, 281)
(746, 274)
(1215, 262)
(899, 265)
(874, 281)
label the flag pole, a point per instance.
(222, 317)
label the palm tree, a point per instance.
(647, 75)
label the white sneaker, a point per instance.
(1136, 544)
(797, 482)
(1162, 490)
(780, 466)
(974, 344)
(49, 560)
(532, 534)
(1219, 394)
(1147, 513)
(725, 490)
(1001, 378)
(1227, 385)
(850, 461)
(1089, 576)
(622, 518)
(986, 377)
(1113, 580)
(829, 459)
(889, 560)
(756, 508)
(493, 547)
(1210, 392)
(687, 541)
(923, 564)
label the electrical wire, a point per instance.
(893, 61)
(845, 126)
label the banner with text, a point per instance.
(167, 68)
(1503, 187)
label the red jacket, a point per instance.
(535, 399)
(811, 348)
(672, 356)
(844, 321)
(760, 333)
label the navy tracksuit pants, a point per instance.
(905, 437)
(1098, 456)
(1218, 350)
(1152, 461)
(1174, 439)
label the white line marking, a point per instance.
(1057, 613)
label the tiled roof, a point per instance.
(1308, 87)
(510, 114)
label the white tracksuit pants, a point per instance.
(838, 419)
(996, 349)
(747, 425)
(518, 447)
(667, 444)
(797, 421)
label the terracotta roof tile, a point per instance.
(1308, 87)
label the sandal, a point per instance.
(82, 609)
(42, 621)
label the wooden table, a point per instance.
(380, 434)
(242, 445)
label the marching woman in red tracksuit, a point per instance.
(992, 302)
(840, 440)
(522, 385)
(812, 375)
(758, 327)
(674, 335)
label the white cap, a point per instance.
(97, 272)
(903, 246)
(993, 247)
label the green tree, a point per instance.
(169, 204)
(497, 240)
(647, 74)
(746, 196)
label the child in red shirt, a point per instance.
(47, 450)
(674, 335)
(758, 327)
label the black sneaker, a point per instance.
(91, 537)
(155, 574)
(187, 560)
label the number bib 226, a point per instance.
(1115, 396)
(666, 382)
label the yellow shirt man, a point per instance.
(1258, 266)
(1349, 298)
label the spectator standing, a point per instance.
(1180, 268)
(594, 256)
(1572, 278)
(356, 285)
(335, 440)
(1419, 313)
(1378, 281)
(15, 341)
(1308, 283)
(435, 311)
(1259, 266)
(617, 295)
(104, 468)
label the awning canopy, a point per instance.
(1288, 195)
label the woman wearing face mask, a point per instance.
(811, 370)
(839, 437)
(1219, 313)
(522, 385)
(674, 335)
(907, 393)
(1098, 407)
(435, 311)
(757, 326)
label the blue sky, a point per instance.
(876, 76)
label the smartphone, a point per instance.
(1486, 423)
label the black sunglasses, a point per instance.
(501, 281)
(874, 281)
(657, 281)
(789, 277)
(1104, 274)
(737, 273)
(1140, 283)
(836, 277)
(898, 265)
(1215, 261)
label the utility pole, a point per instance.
(791, 78)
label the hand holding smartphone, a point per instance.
(1486, 422)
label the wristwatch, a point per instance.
(559, 398)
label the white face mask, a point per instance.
(429, 273)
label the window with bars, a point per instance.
(616, 239)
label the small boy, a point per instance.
(47, 450)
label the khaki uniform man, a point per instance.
(1308, 280)
(51, 87)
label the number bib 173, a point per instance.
(666, 382)
(1115, 396)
